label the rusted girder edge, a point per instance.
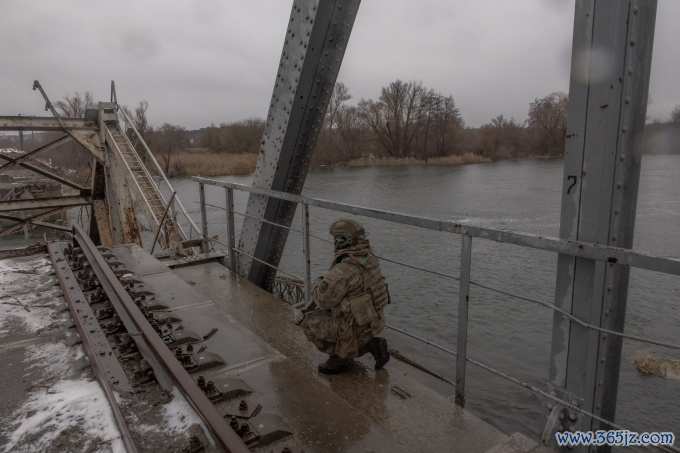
(46, 124)
(217, 425)
(34, 168)
(613, 255)
(37, 203)
(35, 153)
(33, 219)
(89, 349)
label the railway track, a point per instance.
(140, 348)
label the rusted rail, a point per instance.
(134, 320)
(71, 290)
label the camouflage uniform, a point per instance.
(350, 298)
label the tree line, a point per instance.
(410, 120)
(406, 120)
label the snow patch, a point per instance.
(55, 359)
(178, 416)
(69, 404)
(34, 320)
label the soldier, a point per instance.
(349, 301)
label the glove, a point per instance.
(299, 316)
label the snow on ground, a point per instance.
(54, 359)
(42, 313)
(72, 405)
(178, 416)
(37, 291)
(68, 404)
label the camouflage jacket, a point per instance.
(356, 292)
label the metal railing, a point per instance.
(641, 260)
(162, 177)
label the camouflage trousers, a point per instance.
(321, 328)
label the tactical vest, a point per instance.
(362, 308)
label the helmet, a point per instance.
(347, 232)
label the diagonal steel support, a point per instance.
(38, 203)
(314, 46)
(57, 178)
(612, 56)
(88, 142)
(35, 153)
(21, 222)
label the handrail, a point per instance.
(489, 288)
(115, 145)
(160, 194)
(160, 171)
(614, 255)
(574, 248)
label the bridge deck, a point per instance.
(427, 421)
(256, 336)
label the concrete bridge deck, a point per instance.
(256, 336)
(427, 421)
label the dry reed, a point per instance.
(191, 164)
(464, 159)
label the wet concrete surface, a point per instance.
(264, 353)
(320, 419)
(424, 421)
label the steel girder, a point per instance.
(38, 203)
(57, 178)
(121, 209)
(34, 219)
(47, 124)
(611, 62)
(316, 38)
(33, 154)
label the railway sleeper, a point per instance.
(230, 396)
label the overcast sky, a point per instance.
(210, 61)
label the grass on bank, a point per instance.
(464, 159)
(192, 164)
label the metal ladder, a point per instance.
(146, 192)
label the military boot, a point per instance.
(335, 365)
(378, 349)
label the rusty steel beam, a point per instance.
(51, 225)
(170, 368)
(38, 203)
(73, 295)
(35, 153)
(57, 178)
(47, 124)
(89, 142)
(21, 222)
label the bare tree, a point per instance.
(338, 97)
(395, 116)
(548, 116)
(237, 138)
(74, 107)
(442, 125)
(140, 119)
(675, 115)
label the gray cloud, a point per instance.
(198, 62)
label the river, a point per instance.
(511, 335)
